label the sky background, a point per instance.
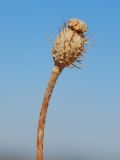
(84, 112)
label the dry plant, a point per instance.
(67, 50)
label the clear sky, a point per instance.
(84, 112)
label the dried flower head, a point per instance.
(70, 43)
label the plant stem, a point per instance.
(41, 124)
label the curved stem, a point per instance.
(41, 124)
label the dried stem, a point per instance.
(41, 124)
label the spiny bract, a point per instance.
(70, 43)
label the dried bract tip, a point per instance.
(77, 25)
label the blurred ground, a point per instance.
(62, 157)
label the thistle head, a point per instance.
(70, 43)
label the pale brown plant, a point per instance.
(67, 49)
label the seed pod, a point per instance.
(70, 43)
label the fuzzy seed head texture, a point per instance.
(70, 43)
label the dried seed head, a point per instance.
(70, 43)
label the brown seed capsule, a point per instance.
(70, 43)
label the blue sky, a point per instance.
(83, 116)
